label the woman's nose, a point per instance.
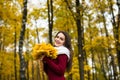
(57, 38)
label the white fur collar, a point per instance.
(63, 50)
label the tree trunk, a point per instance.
(1, 40)
(15, 69)
(27, 54)
(80, 42)
(32, 70)
(114, 76)
(116, 29)
(22, 34)
(93, 66)
(38, 71)
(118, 34)
(37, 32)
(50, 18)
(86, 61)
(1, 52)
(101, 61)
(109, 49)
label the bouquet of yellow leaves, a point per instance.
(44, 49)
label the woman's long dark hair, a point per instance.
(68, 45)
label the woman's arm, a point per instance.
(60, 67)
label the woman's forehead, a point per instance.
(61, 34)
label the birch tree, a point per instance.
(21, 39)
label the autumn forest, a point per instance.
(94, 27)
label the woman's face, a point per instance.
(59, 39)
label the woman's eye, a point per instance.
(61, 39)
(57, 36)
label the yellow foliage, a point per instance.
(44, 49)
(87, 68)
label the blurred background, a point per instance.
(94, 27)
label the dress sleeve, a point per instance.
(58, 68)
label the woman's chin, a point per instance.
(56, 45)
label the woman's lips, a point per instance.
(57, 42)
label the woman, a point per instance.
(55, 68)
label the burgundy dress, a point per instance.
(55, 68)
